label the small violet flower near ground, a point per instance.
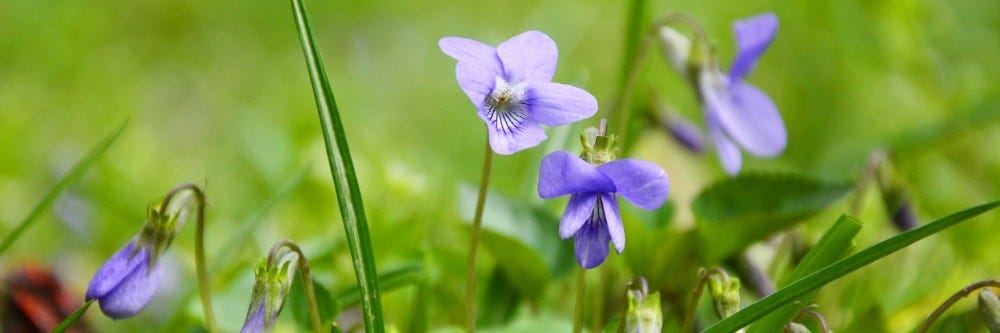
(511, 87)
(126, 282)
(735, 111)
(271, 286)
(592, 217)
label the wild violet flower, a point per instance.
(511, 87)
(592, 217)
(737, 113)
(126, 282)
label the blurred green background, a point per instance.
(216, 93)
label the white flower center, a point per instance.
(505, 106)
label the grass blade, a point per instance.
(835, 244)
(352, 209)
(837, 270)
(73, 317)
(74, 173)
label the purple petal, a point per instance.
(642, 183)
(468, 50)
(686, 134)
(562, 173)
(530, 56)
(555, 104)
(757, 125)
(255, 322)
(746, 114)
(729, 154)
(577, 212)
(113, 271)
(591, 244)
(753, 36)
(525, 135)
(614, 221)
(476, 81)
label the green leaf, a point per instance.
(523, 239)
(73, 317)
(834, 245)
(352, 211)
(840, 268)
(74, 173)
(738, 211)
(299, 306)
(407, 275)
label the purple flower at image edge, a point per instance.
(125, 284)
(510, 86)
(736, 112)
(592, 217)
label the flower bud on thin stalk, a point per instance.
(272, 282)
(989, 308)
(643, 314)
(126, 282)
(895, 197)
(724, 290)
(795, 326)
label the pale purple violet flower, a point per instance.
(735, 111)
(592, 217)
(125, 283)
(511, 87)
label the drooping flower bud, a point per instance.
(270, 289)
(794, 327)
(725, 292)
(643, 315)
(895, 197)
(126, 282)
(989, 309)
(676, 47)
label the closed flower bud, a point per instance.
(643, 315)
(989, 308)
(676, 47)
(126, 282)
(270, 289)
(725, 293)
(796, 328)
(895, 197)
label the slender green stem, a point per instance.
(345, 181)
(307, 281)
(73, 317)
(199, 248)
(74, 173)
(581, 295)
(692, 305)
(477, 222)
(955, 298)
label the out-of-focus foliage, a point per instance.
(217, 94)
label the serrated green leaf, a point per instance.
(837, 270)
(738, 211)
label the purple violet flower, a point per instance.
(511, 87)
(735, 111)
(592, 216)
(126, 282)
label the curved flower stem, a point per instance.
(581, 291)
(817, 317)
(696, 294)
(630, 71)
(926, 325)
(477, 222)
(199, 247)
(307, 282)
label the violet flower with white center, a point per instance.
(592, 217)
(511, 87)
(737, 113)
(126, 282)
